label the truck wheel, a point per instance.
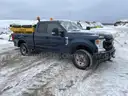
(82, 59)
(24, 49)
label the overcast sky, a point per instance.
(96, 10)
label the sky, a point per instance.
(89, 10)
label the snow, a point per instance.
(122, 23)
(45, 74)
(85, 25)
(109, 79)
(6, 46)
(123, 20)
(5, 36)
(104, 30)
(6, 23)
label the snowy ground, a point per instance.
(6, 46)
(45, 74)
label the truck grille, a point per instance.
(108, 44)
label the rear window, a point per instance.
(42, 28)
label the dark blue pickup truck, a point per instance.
(67, 37)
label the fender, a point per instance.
(20, 41)
(23, 38)
(83, 42)
(20, 38)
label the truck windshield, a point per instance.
(70, 26)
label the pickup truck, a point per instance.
(61, 36)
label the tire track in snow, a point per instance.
(59, 69)
(44, 75)
(19, 71)
(7, 56)
(65, 81)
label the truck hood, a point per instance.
(83, 34)
(104, 30)
(91, 34)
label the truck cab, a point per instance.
(67, 37)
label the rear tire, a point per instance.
(24, 49)
(82, 59)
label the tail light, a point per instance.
(12, 36)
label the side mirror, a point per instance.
(62, 33)
(88, 28)
(55, 31)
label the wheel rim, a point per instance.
(24, 50)
(81, 59)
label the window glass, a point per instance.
(42, 28)
(70, 26)
(51, 26)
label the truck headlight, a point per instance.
(99, 44)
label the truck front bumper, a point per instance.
(104, 56)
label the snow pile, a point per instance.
(102, 30)
(5, 45)
(5, 33)
(86, 24)
(122, 23)
(97, 24)
(4, 30)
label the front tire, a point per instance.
(24, 49)
(82, 59)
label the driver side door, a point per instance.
(56, 42)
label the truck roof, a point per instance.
(58, 20)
